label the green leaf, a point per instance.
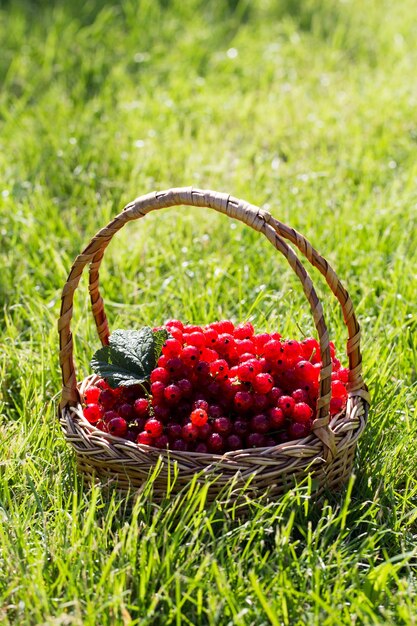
(130, 356)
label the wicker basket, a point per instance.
(327, 454)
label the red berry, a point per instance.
(286, 404)
(171, 348)
(110, 415)
(263, 383)
(224, 326)
(297, 430)
(204, 431)
(243, 331)
(260, 341)
(260, 423)
(209, 355)
(272, 350)
(117, 427)
(145, 438)
(172, 394)
(174, 431)
(160, 373)
(219, 368)
(241, 427)
(175, 323)
(189, 432)
(274, 395)
(343, 375)
(245, 346)
(161, 442)
(215, 442)
(302, 413)
(154, 427)
(125, 410)
(198, 417)
(306, 372)
(190, 355)
(338, 390)
(92, 413)
(196, 339)
(102, 384)
(92, 394)
(180, 445)
(222, 425)
(259, 402)
(185, 387)
(276, 417)
(300, 395)
(242, 401)
(210, 336)
(141, 407)
(248, 370)
(255, 440)
(234, 442)
(201, 448)
(107, 398)
(336, 405)
(161, 412)
(157, 389)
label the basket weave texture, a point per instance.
(327, 454)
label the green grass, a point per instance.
(304, 107)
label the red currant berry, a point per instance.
(241, 427)
(248, 370)
(107, 398)
(260, 423)
(201, 448)
(180, 445)
(92, 394)
(210, 336)
(222, 425)
(189, 432)
(160, 373)
(145, 438)
(190, 355)
(302, 413)
(336, 405)
(260, 341)
(272, 350)
(141, 407)
(157, 389)
(220, 369)
(186, 388)
(255, 440)
(125, 410)
(172, 394)
(276, 418)
(171, 348)
(296, 430)
(243, 331)
(263, 383)
(102, 384)
(161, 412)
(234, 442)
(161, 442)
(338, 390)
(92, 413)
(215, 443)
(208, 355)
(242, 401)
(174, 431)
(286, 404)
(110, 415)
(117, 427)
(154, 427)
(196, 339)
(198, 417)
(174, 323)
(204, 431)
(300, 395)
(274, 395)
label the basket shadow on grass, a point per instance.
(356, 511)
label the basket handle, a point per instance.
(238, 209)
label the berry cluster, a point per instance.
(218, 388)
